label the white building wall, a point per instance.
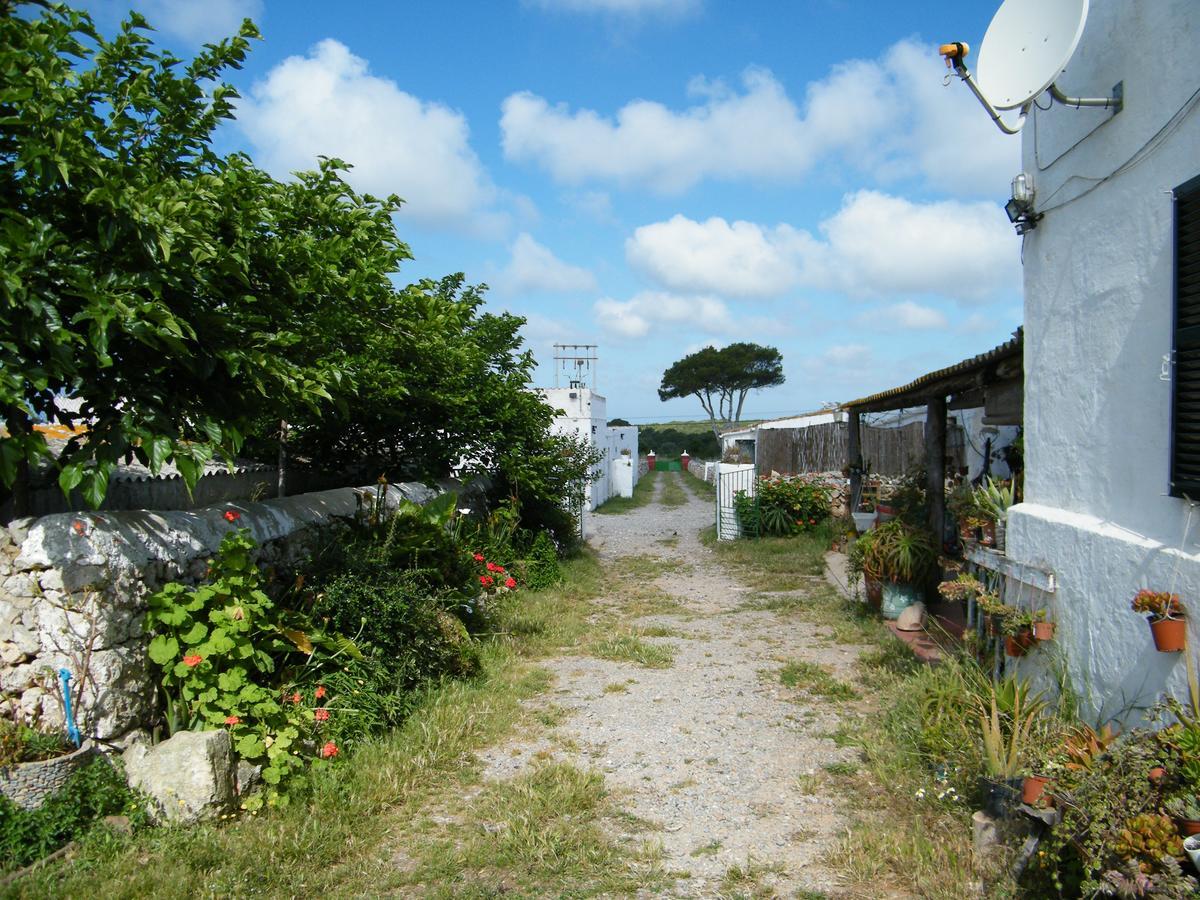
(583, 412)
(1098, 321)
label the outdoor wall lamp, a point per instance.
(1020, 206)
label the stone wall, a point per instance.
(73, 588)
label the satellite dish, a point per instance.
(1027, 46)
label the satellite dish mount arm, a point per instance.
(955, 58)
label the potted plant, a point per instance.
(1165, 614)
(904, 557)
(992, 501)
(1017, 628)
(864, 516)
(1006, 720)
(961, 504)
(1042, 630)
(35, 762)
(1185, 810)
(860, 564)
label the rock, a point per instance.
(189, 777)
(913, 618)
(119, 824)
(247, 777)
(18, 529)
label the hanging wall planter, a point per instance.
(1043, 631)
(1170, 635)
(1018, 644)
(1165, 614)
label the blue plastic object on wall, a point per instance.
(64, 677)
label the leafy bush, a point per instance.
(541, 567)
(782, 506)
(94, 790)
(221, 649)
(398, 624)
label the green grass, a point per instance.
(700, 487)
(810, 677)
(774, 564)
(643, 494)
(360, 832)
(672, 494)
(631, 648)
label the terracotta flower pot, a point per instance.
(1016, 645)
(1043, 631)
(1188, 826)
(1156, 775)
(988, 534)
(1033, 790)
(1170, 635)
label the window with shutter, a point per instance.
(1185, 409)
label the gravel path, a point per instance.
(713, 751)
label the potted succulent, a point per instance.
(961, 504)
(1017, 628)
(1042, 630)
(1185, 810)
(903, 557)
(1006, 720)
(1165, 614)
(992, 501)
(860, 563)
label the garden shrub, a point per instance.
(782, 506)
(228, 656)
(541, 567)
(395, 620)
(96, 789)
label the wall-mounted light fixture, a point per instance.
(1020, 206)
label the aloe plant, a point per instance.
(994, 498)
(1005, 723)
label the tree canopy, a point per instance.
(721, 379)
(186, 303)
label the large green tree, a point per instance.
(721, 379)
(163, 288)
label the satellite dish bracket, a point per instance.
(1116, 102)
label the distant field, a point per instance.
(702, 427)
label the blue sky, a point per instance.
(656, 175)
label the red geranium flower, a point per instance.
(193, 659)
(492, 567)
(296, 698)
(232, 720)
(487, 580)
(319, 692)
(329, 751)
(478, 557)
(321, 714)
(510, 583)
(232, 515)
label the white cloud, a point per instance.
(888, 117)
(195, 21)
(738, 259)
(636, 317)
(620, 7)
(880, 245)
(534, 268)
(328, 104)
(876, 245)
(907, 315)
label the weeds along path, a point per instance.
(713, 714)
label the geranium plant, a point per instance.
(220, 648)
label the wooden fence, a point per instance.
(822, 448)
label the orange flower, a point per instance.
(233, 720)
(329, 751)
(78, 527)
(319, 692)
(321, 714)
(192, 660)
(296, 698)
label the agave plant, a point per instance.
(901, 553)
(1006, 721)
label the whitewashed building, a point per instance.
(583, 412)
(1112, 354)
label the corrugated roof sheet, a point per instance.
(922, 387)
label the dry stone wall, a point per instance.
(73, 589)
